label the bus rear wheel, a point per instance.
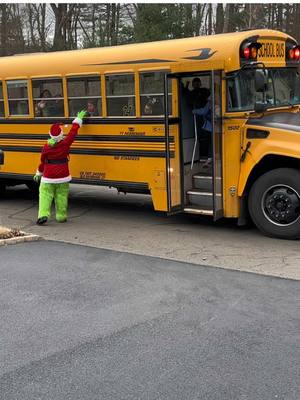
(274, 203)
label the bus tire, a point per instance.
(274, 203)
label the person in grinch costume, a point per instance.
(53, 172)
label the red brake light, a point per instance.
(297, 53)
(246, 52)
(293, 53)
(249, 51)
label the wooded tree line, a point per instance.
(51, 27)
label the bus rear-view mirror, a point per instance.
(260, 80)
(260, 107)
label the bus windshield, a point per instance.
(283, 89)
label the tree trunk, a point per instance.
(210, 19)
(219, 18)
(279, 17)
(59, 13)
(188, 28)
(229, 11)
(31, 22)
(200, 8)
(3, 46)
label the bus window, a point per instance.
(241, 91)
(232, 95)
(120, 95)
(152, 93)
(282, 89)
(84, 93)
(48, 98)
(286, 86)
(17, 97)
(1, 101)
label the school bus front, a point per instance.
(262, 118)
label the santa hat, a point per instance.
(56, 132)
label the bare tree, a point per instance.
(199, 11)
(4, 30)
(45, 27)
(63, 34)
(219, 26)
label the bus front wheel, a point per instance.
(274, 203)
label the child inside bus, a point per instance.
(204, 122)
(91, 109)
(197, 97)
(41, 107)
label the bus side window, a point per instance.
(48, 98)
(1, 102)
(17, 97)
(120, 95)
(232, 100)
(152, 93)
(84, 93)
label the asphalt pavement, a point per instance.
(79, 322)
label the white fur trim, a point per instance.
(56, 180)
(38, 173)
(77, 121)
(57, 138)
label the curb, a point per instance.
(28, 237)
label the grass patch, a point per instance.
(6, 233)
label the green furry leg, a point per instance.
(61, 201)
(45, 199)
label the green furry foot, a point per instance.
(41, 221)
(62, 220)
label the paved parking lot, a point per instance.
(100, 217)
(83, 323)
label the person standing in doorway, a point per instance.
(53, 172)
(206, 128)
(197, 97)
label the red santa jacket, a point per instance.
(54, 158)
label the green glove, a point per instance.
(37, 178)
(81, 114)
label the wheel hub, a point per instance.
(281, 204)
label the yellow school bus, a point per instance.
(205, 125)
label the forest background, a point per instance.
(26, 28)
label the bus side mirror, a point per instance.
(260, 80)
(260, 107)
(1, 157)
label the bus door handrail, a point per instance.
(196, 141)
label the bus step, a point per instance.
(201, 198)
(199, 211)
(205, 182)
